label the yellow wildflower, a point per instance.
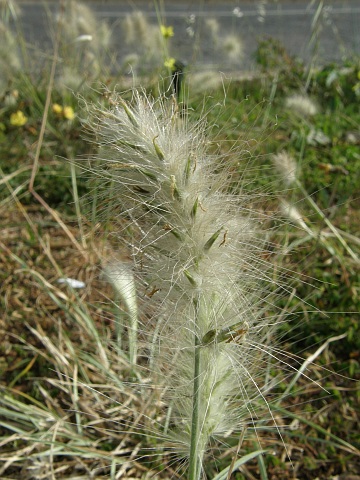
(170, 63)
(18, 119)
(166, 32)
(58, 109)
(68, 113)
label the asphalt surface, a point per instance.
(335, 34)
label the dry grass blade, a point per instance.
(12, 175)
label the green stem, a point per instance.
(194, 467)
(77, 202)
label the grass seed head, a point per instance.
(287, 167)
(84, 44)
(10, 62)
(198, 249)
(302, 105)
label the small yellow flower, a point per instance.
(170, 63)
(166, 32)
(68, 113)
(18, 119)
(58, 109)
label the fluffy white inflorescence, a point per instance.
(302, 105)
(84, 45)
(10, 62)
(143, 39)
(287, 167)
(294, 215)
(199, 262)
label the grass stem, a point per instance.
(194, 470)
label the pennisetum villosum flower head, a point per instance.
(142, 38)
(83, 46)
(199, 261)
(302, 105)
(10, 62)
(287, 167)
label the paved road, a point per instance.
(338, 27)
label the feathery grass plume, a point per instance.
(211, 34)
(261, 10)
(229, 46)
(143, 39)
(122, 279)
(295, 216)
(302, 105)
(84, 44)
(205, 81)
(232, 47)
(10, 62)
(286, 165)
(198, 258)
(70, 79)
(212, 28)
(136, 28)
(9, 55)
(130, 62)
